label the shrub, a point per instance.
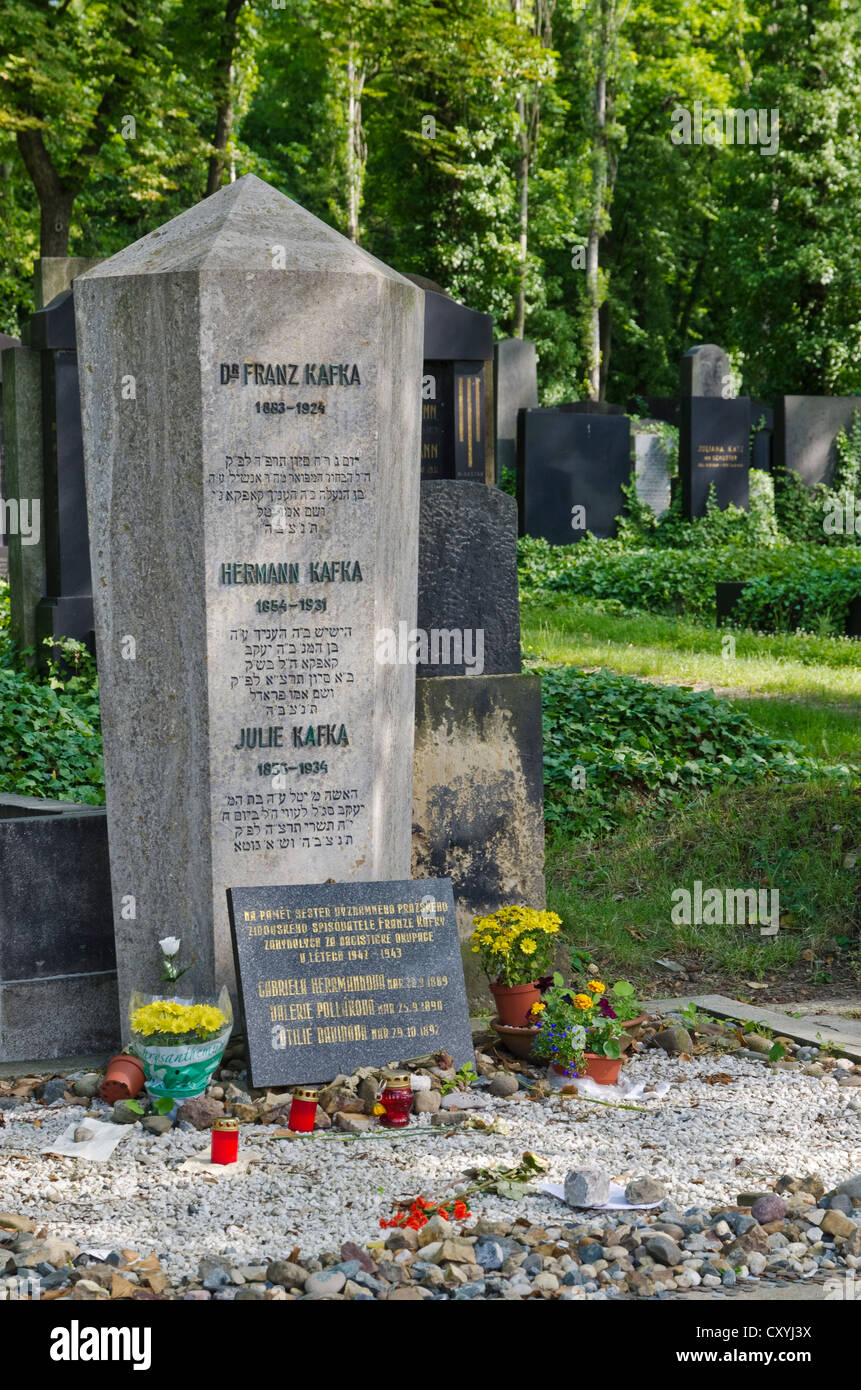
(50, 741)
(615, 746)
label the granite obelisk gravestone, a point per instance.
(251, 424)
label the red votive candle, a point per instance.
(303, 1110)
(397, 1100)
(225, 1141)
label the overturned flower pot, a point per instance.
(124, 1079)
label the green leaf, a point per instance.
(513, 1191)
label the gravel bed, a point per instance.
(705, 1142)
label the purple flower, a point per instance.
(604, 1006)
(545, 982)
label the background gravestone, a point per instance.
(714, 449)
(335, 976)
(5, 342)
(515, 387)
(457, 392)
(592, 408)
(569, 460)
(24, 478)
(666, 408)
(468, 573)
(762, 448)
(705, 371)
(805, 434)
(651, 470)
(65, 608)
(253, 523)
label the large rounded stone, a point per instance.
(325, 1283)
(587, 1187)
(201, 1112)
(771, 1208)
(642, 1190)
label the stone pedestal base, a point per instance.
(64, 617)
(478, 796)
(58, 982)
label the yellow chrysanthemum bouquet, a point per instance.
(515, 944)
(179, 1041)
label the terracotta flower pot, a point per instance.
(513, 1003)
(517, 1040)
(604, 1071)
(124, 1079)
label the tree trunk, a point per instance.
(56, 195)
(598, 199)
(357, 150)
(224, 94)
(605, 319)
(523, 183)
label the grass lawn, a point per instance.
(614, 895)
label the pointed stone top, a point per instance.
(248, 225)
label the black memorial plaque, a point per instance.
(437, 420)
(333, 976)
(571, 469)
(714, 448)
(458, 352)
(453, 421)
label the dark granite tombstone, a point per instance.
(761, 454)
(572, 468)
(714, 448)
(333, 976)
(705, 371)
(515, 387)
(805, 434)
(853, 622)
(666, 408)
(66, 607)
(5, 342)
(727, 594)
(457, 391)
(468, 580)
(591, 408)
(58, 982)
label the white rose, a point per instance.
(170, 945)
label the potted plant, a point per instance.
(578, 1031)
(179, 1041)
(515, 945)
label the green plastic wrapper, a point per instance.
(181, 1070)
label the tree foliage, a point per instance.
(517, 151)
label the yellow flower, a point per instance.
(582, 1001)
(537, 1008)
(596, 987)
(528, 946)
(167, 1016)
